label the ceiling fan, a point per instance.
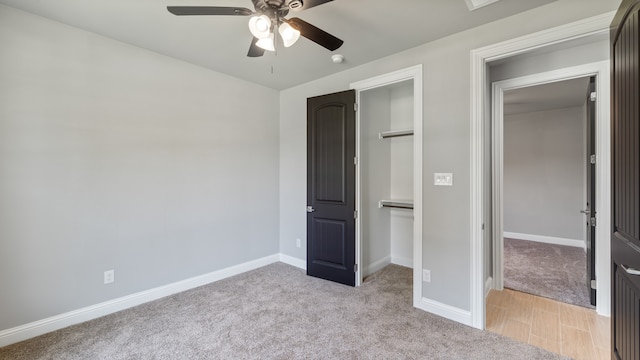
(269, 17)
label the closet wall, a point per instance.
(387, 174)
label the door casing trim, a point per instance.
(412, 73)
(603, 182)
(479, 86)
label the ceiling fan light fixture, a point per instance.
(267, 43)
(260, 26)
(289, 34)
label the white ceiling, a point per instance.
(552, 96)
(371, 29)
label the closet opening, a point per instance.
(389, 174)
(386, 167)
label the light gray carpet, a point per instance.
(553, 271)
(277, 312)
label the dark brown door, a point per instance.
(625, 182)
(590, 210)
(331, 182)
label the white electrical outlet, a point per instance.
(109, 276)
(298, 243)
(426, 275)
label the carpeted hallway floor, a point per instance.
(277, 312)
(553, 271)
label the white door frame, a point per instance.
(413, 73)
(603, 187)
(479, 94)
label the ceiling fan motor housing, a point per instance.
(274, 9)
(274, 4)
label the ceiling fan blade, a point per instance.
(209, 10)
(315, 34)
(306, 4)
(254, 49)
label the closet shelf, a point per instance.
(395, 133)
(400, 204)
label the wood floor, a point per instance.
(569, 330)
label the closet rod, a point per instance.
(395, 204)
(395, 133)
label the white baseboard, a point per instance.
(488, 285)
(290, 260)
(406, 262)
(376, 266)
(545, 239)
(40, 327)
(446, 311)
(36, 328)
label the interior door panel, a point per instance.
(331, 183)
(625, 182)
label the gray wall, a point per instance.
(376, 178)
(113, 157)
(576, 53)
(401, 170)
(447, 80)
(544, 173)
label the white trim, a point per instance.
(598, 24)
(601, 71)
(290, 260)
(402, 261)
(488, 285)
(546, 239)
(479, 59)
(413, 73)
(477, 4)
(376, 266)
(387, 79)
(446, 311)
(497, 191)
(417, 183)
(603, 191)
(36, 328)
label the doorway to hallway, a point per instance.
(544, 187)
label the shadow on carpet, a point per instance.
(552, 271)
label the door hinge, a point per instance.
(355, 267)
(592, 159)
(593, 221)
(355, 214)
(355, 160)
(355, 106)
(593, 284)
(593, 96)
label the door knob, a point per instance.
(310, 209)
(586, 212)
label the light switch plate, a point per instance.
(443, 179)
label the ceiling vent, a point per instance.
(477, 4)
